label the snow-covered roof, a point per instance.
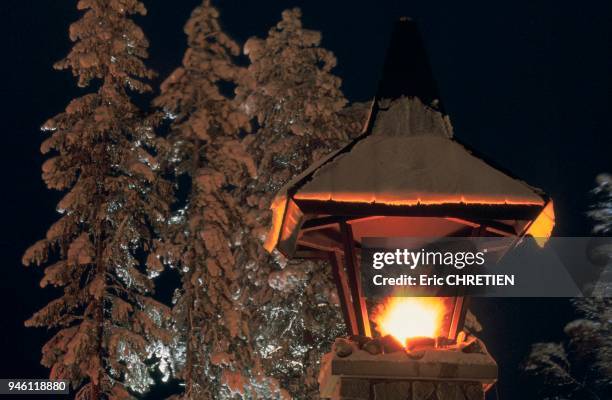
(414, 161)
(407, 159)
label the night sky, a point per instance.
(525, 82)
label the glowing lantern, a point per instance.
(404, 176)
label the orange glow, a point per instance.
(542, 227)
(409, 317)
(414, 199)
(278, 206)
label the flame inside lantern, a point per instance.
(409, 317)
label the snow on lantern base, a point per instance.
(358, 369)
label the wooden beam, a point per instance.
(458, 317)
(319, 255)
(461, 301)
(491, 226)
(465, 211)
(315, 245)
(342, 285)
(321, 223)
(354, 278)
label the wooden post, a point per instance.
(344, 293)
(458, 317)
(354, 279)
(461, 301)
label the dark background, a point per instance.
(525, 82)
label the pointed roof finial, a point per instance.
(407, 71)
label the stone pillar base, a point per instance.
(366, 389)
(373, 370)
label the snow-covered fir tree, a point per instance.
(581, 366)
(110, 333)
(205, 239)
(298, 106)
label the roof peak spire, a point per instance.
(407, 71)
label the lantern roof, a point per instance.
(406, 162)
(409, 158)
